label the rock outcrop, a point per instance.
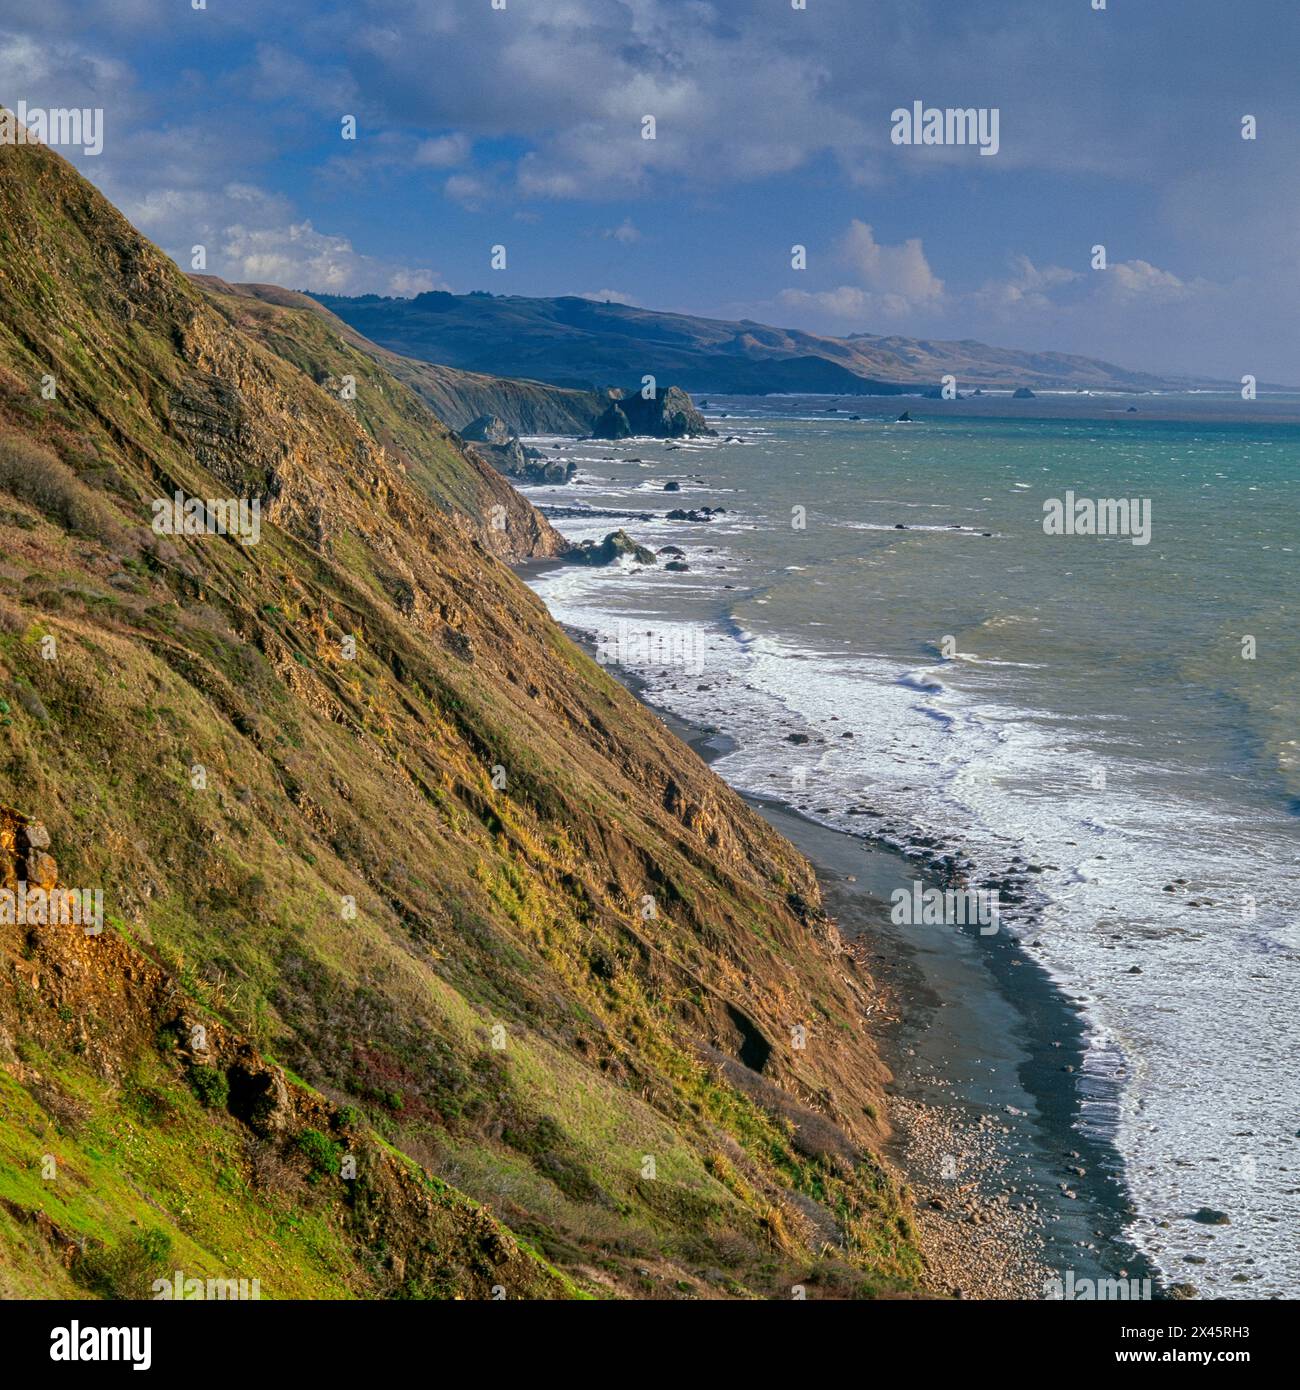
(488, 429)
(613, 547)
(497, 445)
(669, 414)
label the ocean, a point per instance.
(880, 620)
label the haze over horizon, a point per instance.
(523, 127)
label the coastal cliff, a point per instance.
(429, 878)
(457, 397)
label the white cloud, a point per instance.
(1029, 287)
(442, 152)
(536, 179)
(252, 235)
(625, 232)
(896, 282)
(297, 256)
(1142, 280)
(408, 283)
(900, 272)
(57, 73)
(1128, 313)
(469, 190)
(611, 297)
(846, 302)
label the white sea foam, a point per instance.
(967, 765)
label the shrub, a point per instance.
(12, 621)
(325, 1155)
(210, 1085)
(34, 475)
(268, 1170)
(127, 1270)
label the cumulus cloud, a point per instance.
(472, 191)
(57, 72)
(749, 89)
(1031, 290)
(574, 80)
(895, 281)
(299, 256)
(846, 302)
(407, 283)
(1130, 307)
(1144, 281)
(251, 235)
(900, 272)
(1028, 287)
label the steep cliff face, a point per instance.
(394, 416)
(456, 397)
(346, 788)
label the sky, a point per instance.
(522, 123)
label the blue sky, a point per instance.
(522, 126)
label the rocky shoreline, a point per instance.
(1009, 1194)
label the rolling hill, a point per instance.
(585, 344)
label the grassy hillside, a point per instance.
(456, 397)
(451, 899)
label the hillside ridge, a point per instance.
(587, 344)
(356, 795)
